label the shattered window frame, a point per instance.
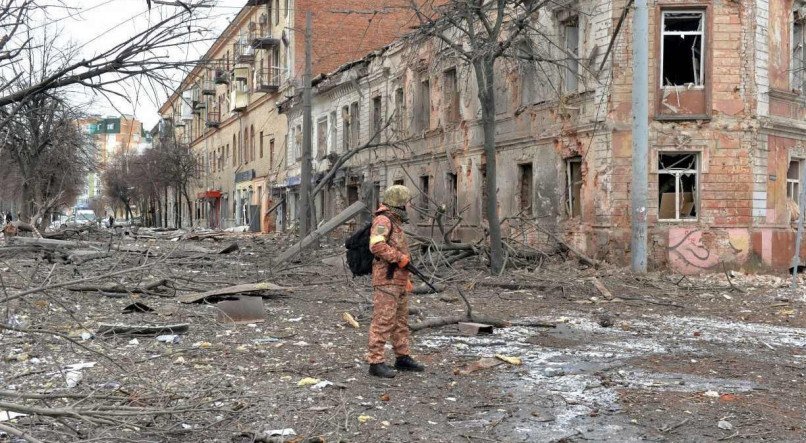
(570, 202)
(799, 50)
(678, 169)
(571, 29)
(699, 80)
(793, 179)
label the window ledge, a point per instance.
(682, 220)
(682, 117)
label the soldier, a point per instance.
(391, 285)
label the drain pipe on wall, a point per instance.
(799, 238)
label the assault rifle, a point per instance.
(410, 267)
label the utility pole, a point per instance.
(640, 135)
(307, 136)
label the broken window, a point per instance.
(321, 138)
(346, 129)
(352, 194)
(793, 180)
(450, 96)
(525, 188)
(423, 117)
(571, 41)
(355, 125)
(399, 181)
(377, 117)
(573, 178)
(331, 144)
(400, 109)
(271, 153)
(799, 51)
(452, 184)
(425, 191)
(678, 186)
(682, 48)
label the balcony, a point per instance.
(213, 118)
(260, 36)
(268, 80)
(239, 100)
(244, 53)
(208, 88)
(257, 2)
(221, 77)
(241, 73)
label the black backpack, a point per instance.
(359, 257)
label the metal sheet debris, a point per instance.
(242, 310)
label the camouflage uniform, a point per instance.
(390, 312)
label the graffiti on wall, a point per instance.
(693, 251)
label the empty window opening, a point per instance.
(571, 30)
(321, 138)
(682, 48)
(376, 194)
(400, 109)
(425, 191)
(573, 177)
(483, 193)
(261, 144)
(355, 125)
(346, 128)
(525, 188)
(331, 144)
(450, 95)
(399, 181)
(271, 152)
(678, 186)
(352, 194)
(423, 117)
(793, 180)
(452, 185)
(799, 51)
(377, 117)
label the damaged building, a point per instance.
(727, 133)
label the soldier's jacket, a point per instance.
(387, 241)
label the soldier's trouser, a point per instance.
(390, 319)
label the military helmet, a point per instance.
(397, 196)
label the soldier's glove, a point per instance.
(404, 262)
(409, 286)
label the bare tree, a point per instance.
(481, 33)
(119, 178)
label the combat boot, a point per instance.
(381, 370)
(406, 363)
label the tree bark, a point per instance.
(484, 78)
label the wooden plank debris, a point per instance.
(265, 287)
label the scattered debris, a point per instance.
(170, 338)
(264, 287)
(724, 424)
(308, 381)
(481, 364)
(602, 289)
(516, 361)
(350, 320)
(137, 307)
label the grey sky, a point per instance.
(101, 24)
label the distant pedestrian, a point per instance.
(111, 221)
(8, 218)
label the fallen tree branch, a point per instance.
(17, 433)
(452, 320)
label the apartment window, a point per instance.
(271, 153)
(399, 181)
(377, 117)
(234, 151)
(682, 48)
(425, 191)
(252, 153)
(276, 12)
(352, 194)
(355, 127)
(573, 179)
(793, 180)
(240, 149)
(321, 138)
(289, 157)
(298, 142)
(525, 188)
(678, 186)
(799, 51)
(571, 40)
(450, 96)
(424, 112)
(331, 144)
(452, 185)
(286, 8)
(233, 163)
(261, 144)
(346, 128)
(400, 109)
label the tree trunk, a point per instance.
(25, 203)
(484, 78)
(165, 209)
(189, 204)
